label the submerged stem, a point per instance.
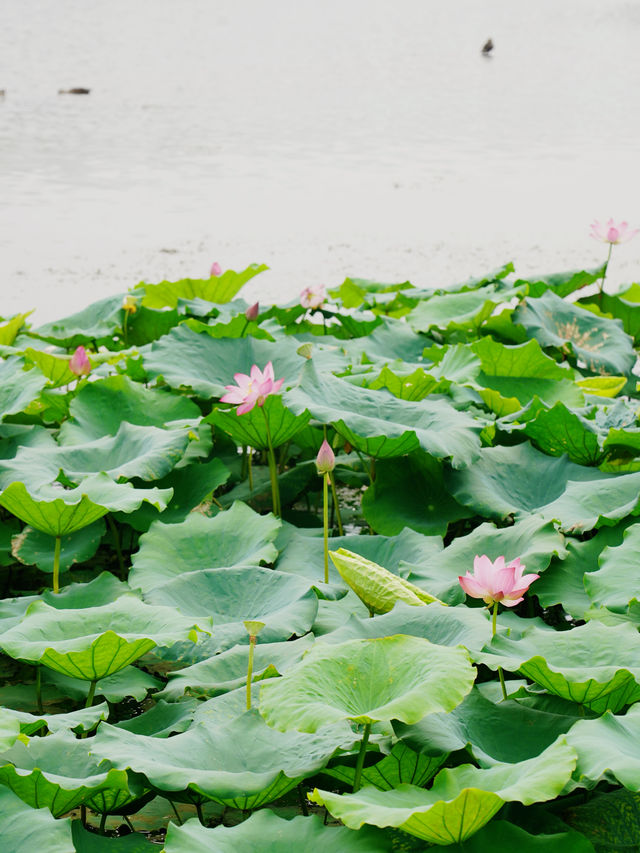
(56, 564)
(361, 754)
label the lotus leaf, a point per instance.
(9, 729)
(100, 320)
(33, 547)
(502, 837)
(401, 766)
(86, 841)
(608, 749)
(220, 288)
(56, 369)
(610, 585)
(25, 828)
(251, 428)
(163, 719)
(459, 310)
(558, 430)
(129, 681)
(82, 720)
(18, 387)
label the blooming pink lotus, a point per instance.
(314, 296)
(496, 582)
(252, 389)
(612, 232)
(79, 362)
(216, 270)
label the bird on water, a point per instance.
(487, 47)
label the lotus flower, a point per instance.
(79, 362)
(252, 311)
(216, 270)
(325, 460)
(130, 304)
(612, 232)
(252, 389)
(495, 582)
(314, 296)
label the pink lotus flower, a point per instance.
(79, 362)
(252, 311)
(216, 270)
(252, 389)
(314, 296)
(612, 232)
(325, 460)
(495, 582)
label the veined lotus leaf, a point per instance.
(399, 677)
(59, 511)
(223, 708)
(580, 498)
(186, 359)
(101, 590)
(25, 828)
(623, 306)
(378, 588)
(410, 492)
(558, 430)
(18, 387)
(82, 720)
(9, 728)
(94, 643)
(381, 425)
(414, 385)
(55, 368)
(608, 749)
(163, 719)
(502, 837)
(608, 820)
(33, 547)
(461, 800)
(58, 772)
(267, 832)
(594, 665)
(99, 408)
(129, 681)
(101, 319)
(465, 309)
(251, 428)
(389, 341)
(88, 841)
(237, 537)
(599, 342)
(401, 766)
(493, 731)
(15, 436)
(564, 283)
(532, 539)
(228, 671)
(9, 329)
(242, 763)
(611, 585)
(221, 288)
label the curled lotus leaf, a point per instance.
(23, 827)
(608, 750)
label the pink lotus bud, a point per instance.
(325, 460)
(495, 581)
(216, 270)
(79, 362)
(252, 312)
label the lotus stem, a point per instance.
(176, 812)
(56, 564)
(273, 471)
(91, 694)
(103, 823)
(199, 812)
(336, 505)
(493, 633)
(124, 328)
(252, 642)
(361, 754)
(302, 800)
(604, 274)
(116, 540)
(325, 522)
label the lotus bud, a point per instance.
(305, 350)
(325, 460)
(252, 312)
(216, 270)
(79, 362)
(130, 304)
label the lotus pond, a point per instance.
(231, 614)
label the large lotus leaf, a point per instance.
(103, 589)
(454, 310)
(624, 306)
(82, 720)
(217, 289)
(100, 407)
(236, 537)
(461, 800)
(58, 772)
(163, 718)
(399, 677)
(10, 328)
(513, 375)
(594, 665)
(558, 430)
(24, 828)
(608, 748)
(381, 425)
(284, 603)
(9, 729)
(401, 766)
(87, 841)
(600, 343)
(251, 428)
(18, 387)
(410, 492)
(610, 821)
(494, 732)
(130, 681)
(33, 547)
(96, 642)
(520, 480)
(408, 383)
(55, 368)
(15, 436)
(564, 283)
(268, 833)
(532, 539)
(242, 763)
(101, 319)
(613, 585)
(394, 339)
(502, 837)
(185, 359)
(59, 511)
(228, 671)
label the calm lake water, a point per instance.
(342, 137)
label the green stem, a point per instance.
(493, 633)
(118, 546)
(103, 822)
(56, 564)
(604, 273)
(325, 521)
(199, 813)
(91, 694)
(124, 327)
(177, 813)
(336, 504)
(252, 643)
(361, 754)
(273, 471)
(250, 468)
(246, 326)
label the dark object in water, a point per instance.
(77, 91)
(487, 47)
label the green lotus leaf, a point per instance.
(82, 720)
(466, 309)
(86, 841)
(100, 407)
(608, 749)
(99, 320)
(18, 387)
(612, 585)
(410, 492)
(56, 369)
(103, 589)
(163, 719)
(228, 670)
(251, 428)
(217, 289)
(127, 682)
(461, 800)
(624, 306)
(502, 837)
(399, 677)
(414, 385)
(564, 283)
(24, 828)
(9, 329)
(378, 588)
(186, 359)
(93, 643)
(33, 547)
(401, 766)
(610, 821)
(236, 537)
(58, 772)
(269, 833)
(580, 498)
(600, 343)
(389, 341)
(558, 430)
(593, 665)
(242, 763)
(59, 511)
(381, 425)
(9, 729)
